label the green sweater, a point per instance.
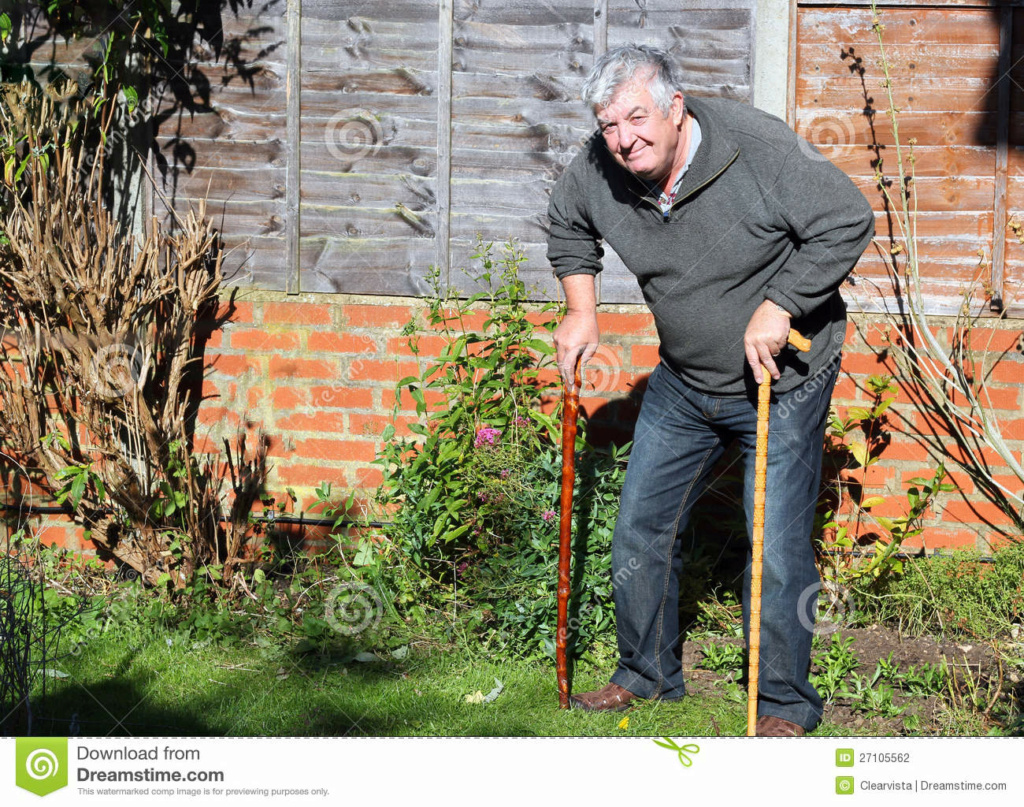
(760, 214)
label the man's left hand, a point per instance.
(766, 336)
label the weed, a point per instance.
(868, 695)
(724, 658)
(834, 666)
(474, 492)
(926, 680)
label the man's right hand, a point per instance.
(576, 336)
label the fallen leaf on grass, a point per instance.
(490, 697)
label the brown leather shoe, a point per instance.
(612, 698)
(772, 726)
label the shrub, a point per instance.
(102, 351)
(474, 493)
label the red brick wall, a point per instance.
(318, 373)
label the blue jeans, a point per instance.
(680, 434)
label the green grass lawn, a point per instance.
(161, 687)
(140, 671)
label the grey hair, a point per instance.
(620, 66)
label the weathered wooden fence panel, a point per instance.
(230, 147)
(347, 146)
(516, 72)
(369, 84)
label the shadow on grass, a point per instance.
(134, 692)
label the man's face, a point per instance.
(642, 139)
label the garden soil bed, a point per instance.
(973, 665)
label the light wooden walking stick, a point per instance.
(764, 393)
(570, 410)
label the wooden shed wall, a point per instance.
(956, 84)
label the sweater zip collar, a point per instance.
(682, 197)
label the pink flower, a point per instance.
(547, 515)
(505, 472)
(487, 436)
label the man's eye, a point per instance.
(638, 120)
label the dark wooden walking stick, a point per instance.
(570, 410)
(764, 393)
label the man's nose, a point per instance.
(627, 137)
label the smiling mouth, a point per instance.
(632, 158)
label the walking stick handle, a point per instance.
(798, 340)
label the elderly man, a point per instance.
(737, 230)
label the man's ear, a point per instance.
(678, 109)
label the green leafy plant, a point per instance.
(75, 480)
(472, 491)
(834, 665)
(955, 594)
(926, 680)
(857, 442)
(868, 695)
(489, 382)
(725, 658)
